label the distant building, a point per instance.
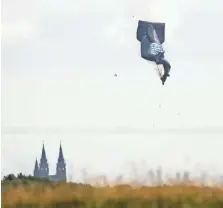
(41, 170)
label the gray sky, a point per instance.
(58, 61)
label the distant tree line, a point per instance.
(21, 178)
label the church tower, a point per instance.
(61, 166)
(36, 169)
(43, 166)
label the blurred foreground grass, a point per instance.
(70, 195)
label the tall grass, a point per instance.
(69, 195)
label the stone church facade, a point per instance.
(41, 169)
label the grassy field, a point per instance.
(70, 195)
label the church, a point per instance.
(41, 170)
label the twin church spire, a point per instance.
(42, 169)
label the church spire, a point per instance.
(43, 167)
(43, 156)
(61, 165)
(36, 164)
(60, 157)
(36, 169)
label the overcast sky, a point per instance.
(58, 62)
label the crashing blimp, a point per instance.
(151, 36)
